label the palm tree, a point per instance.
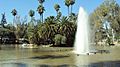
(72, 2)
(67, 3)
(14, 13)
(41, 1)
(57, 7)
(67, 29)
(31, 14)
(41, 10)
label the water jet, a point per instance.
(83, 35)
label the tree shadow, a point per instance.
(13, 65)
(106, 64)
(49, 57)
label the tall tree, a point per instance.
(72, 2)
(106, 16)
(3, 20)
(14, 13)
(30, 32)
(41, 1)
(41, 10)
(57, 7)
(67, 3)
(31, 14)
(48, 29)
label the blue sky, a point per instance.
(23, 7)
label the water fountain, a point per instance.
(82, 41)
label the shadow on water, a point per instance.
(27, 65)
(99, 64)
(48, 57)
(13, 65)
(106, 64)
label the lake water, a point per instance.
(12, 56)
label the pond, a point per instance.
(12, 56)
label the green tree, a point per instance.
(57, 7)
(72, 2)
(41, 10)
(41, 7)
(14, 13)
(67, 3)
(41, 1)
(47, 30)
(58, 16)
(106, 16)
(59, 40)
(67, 29)
(30, 32)
(31, 14)
(20, 27)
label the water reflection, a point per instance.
(81, 60)
(57, 57)
(100, 64)
(13, 65)
(106, 64)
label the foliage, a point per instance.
(69, 3)
(20, 27)
(41, 1)
(57, 7)
(31, 13)
(59, 39)
(106, 17)
(41, 10)
(59, 30)
(14, 12)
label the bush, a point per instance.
(59, 39)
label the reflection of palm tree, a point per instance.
(41, 10)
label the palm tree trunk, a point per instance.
(31, 19)
(68, 11)
(42, 17)
(13, 23)
(71, 9)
